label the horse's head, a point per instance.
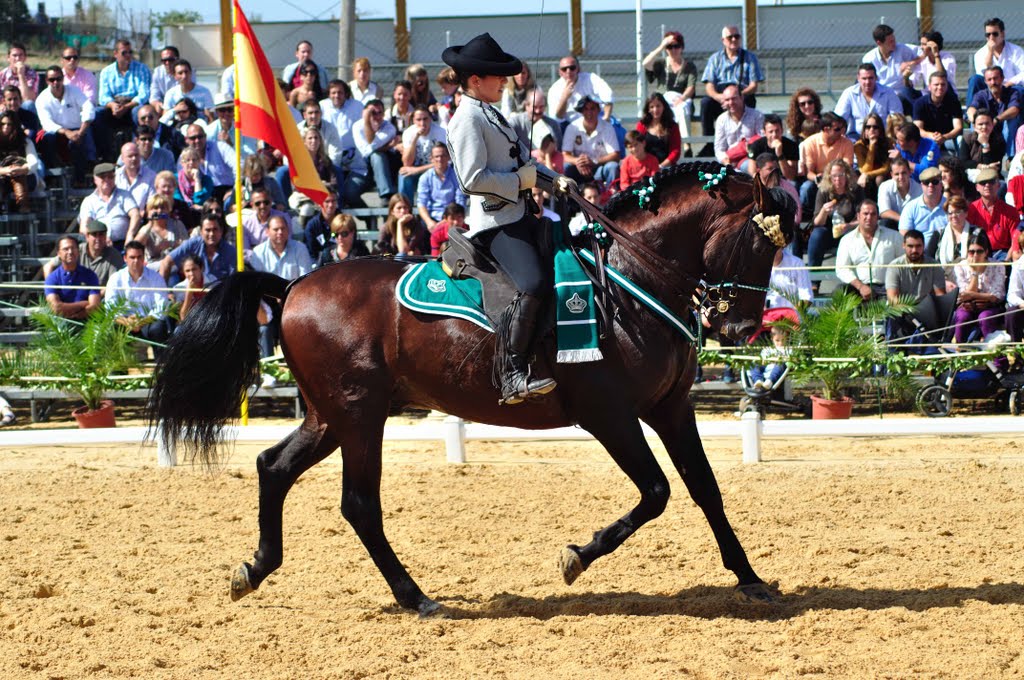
(738, 256)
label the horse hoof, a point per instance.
(570, 564)
(428, 609)
(758, 593)
(240, 583)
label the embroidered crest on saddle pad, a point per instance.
(427, 288)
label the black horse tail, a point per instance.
(211, 359)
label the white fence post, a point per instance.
(750, 431)
(455, 439)
(166, 456)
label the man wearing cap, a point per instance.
(114, 207)
(590, 146)
(217, 255)
(565, 94)
(926, 214)
(994, 215)
(137, 289)
(153, 158)
(98, 255)
(134, 177)
(496, 171)
(66, 114)
(73, 302)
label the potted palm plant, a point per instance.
(85, 359)
(839, 344)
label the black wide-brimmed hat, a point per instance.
(482, 56)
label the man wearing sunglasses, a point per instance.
(124, 85)
(997, 51)
(572, 86)
(66, 114)
(257, 222)
(997, 217)
(163, 77)
(731, 65)
(82, 78)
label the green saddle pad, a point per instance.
(427, 288)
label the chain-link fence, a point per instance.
(94, 41)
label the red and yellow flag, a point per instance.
(263, 112)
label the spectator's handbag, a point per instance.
(19, 183)
(737, 153)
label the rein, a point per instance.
(708, 298)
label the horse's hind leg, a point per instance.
(624, 440)
(360, 504)
(676, 425)
(279, 467)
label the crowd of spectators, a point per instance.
(902, 158)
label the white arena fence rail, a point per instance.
(455, 432)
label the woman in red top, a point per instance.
(659, 126)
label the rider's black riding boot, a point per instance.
(516, 384)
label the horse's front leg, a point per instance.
(279, 467)
(676, 425)
(624, 440)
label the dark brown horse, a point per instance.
(356, 355)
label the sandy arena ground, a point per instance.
(896, 558)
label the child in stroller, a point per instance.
(765, 378)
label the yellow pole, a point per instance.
(576, 37)
(239, 238)
(401, 32)
(750, 29)
(226, 8)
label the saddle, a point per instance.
(467, 258)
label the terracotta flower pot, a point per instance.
(827, 409)
(101, 417)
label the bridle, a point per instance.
(709, 299)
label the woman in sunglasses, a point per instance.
(872, 153)
(676, 77)
(345, 243)
(803, 106)
(309, 86)
(981, 285)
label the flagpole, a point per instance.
(239, 238)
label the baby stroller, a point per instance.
(778, 396)
(993, 379)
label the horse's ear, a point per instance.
(760, 193)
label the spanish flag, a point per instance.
(262, 112)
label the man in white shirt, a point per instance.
(114, 207)
(371, 164)
(863, 253)
(163, 78)
(65, 114)
(134, 177)
(339, 108)
(187, 87)
(737, 121)
(417, 142)
(894, 63)
(895, 193)
(565, 94)
(590, 146)
(997, 51)
(936, 60)
(867, 96)
(280, 255)
(137, 289)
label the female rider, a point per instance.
(497, 173)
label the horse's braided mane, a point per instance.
(625, 198)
